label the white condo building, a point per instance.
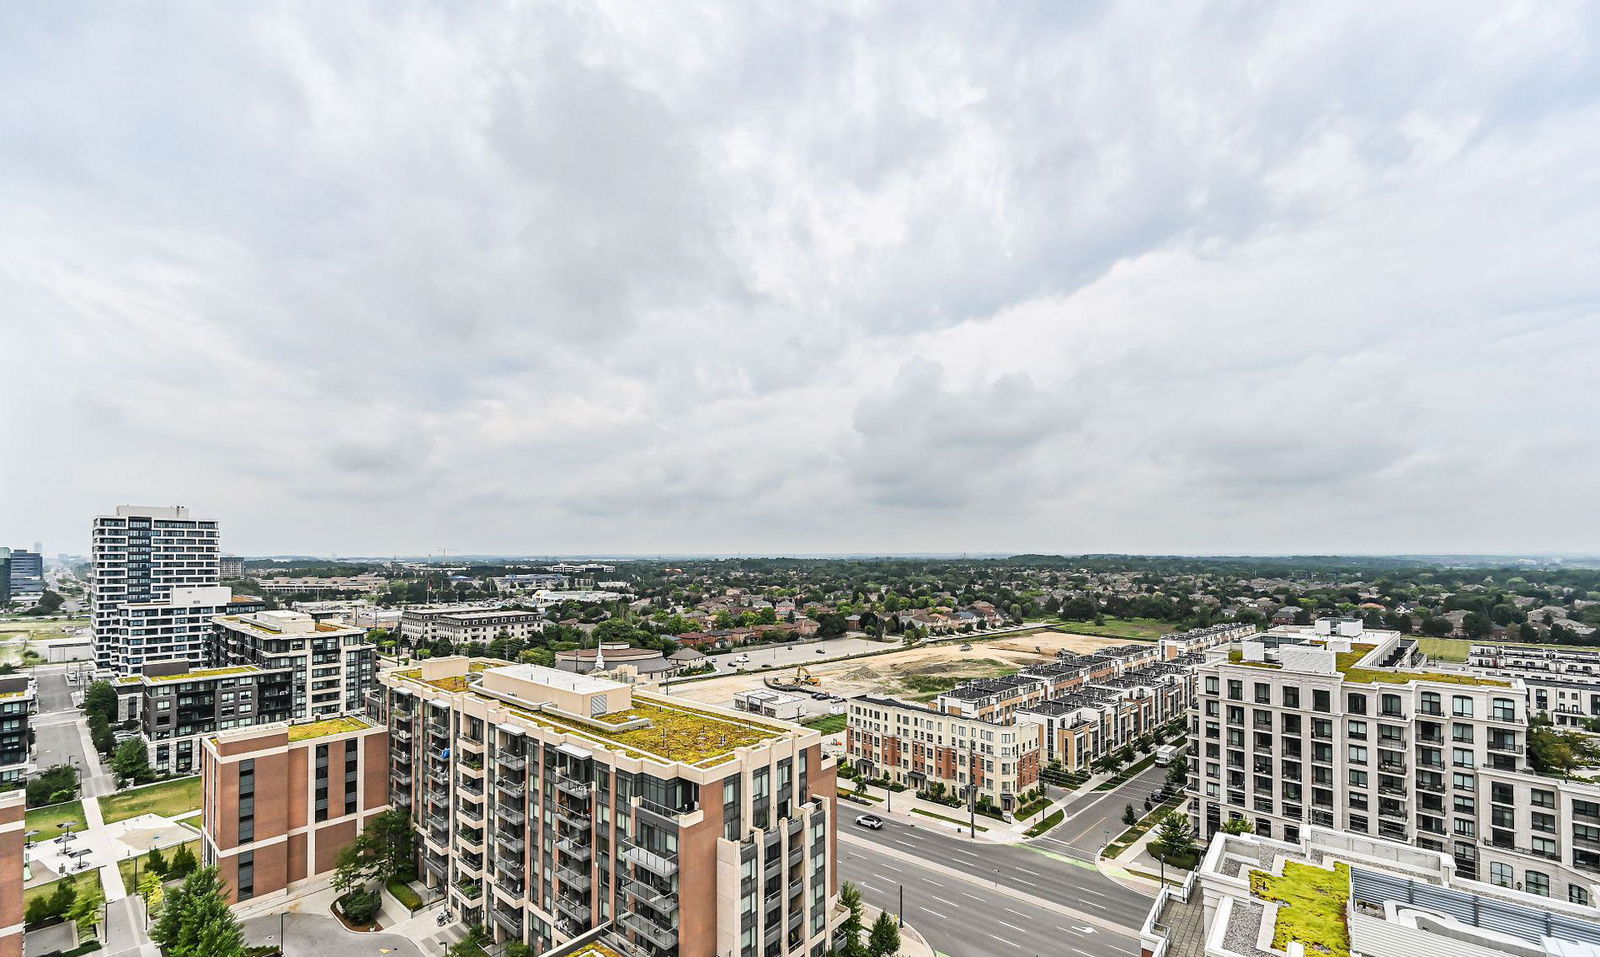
(154, 586)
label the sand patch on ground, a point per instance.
(898, 673)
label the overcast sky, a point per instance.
(376, 278)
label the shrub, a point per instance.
(183, 863)
(402, 892)
(361, 906)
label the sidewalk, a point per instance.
(912, 943)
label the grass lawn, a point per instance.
(1445, 649)
(81, 882)
(126, 867)
(46, 819)
(1140, 629)
(1050, 821)
(827, 723)
(168, 799)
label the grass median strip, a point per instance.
(918, 810)
(1050, 821)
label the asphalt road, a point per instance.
(1095, 817)
(56, 735)
(974, 898)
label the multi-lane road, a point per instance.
(974, 898)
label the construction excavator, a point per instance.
(803, 676)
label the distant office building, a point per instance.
(141, 555)
(280, 802)
(23, 572)
(230, 566)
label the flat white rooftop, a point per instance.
(556, 678)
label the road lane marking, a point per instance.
(943, 901)
(1007, 942)
(1012, 926)
(933, 912)
(1017, 912)
(974, 897)
(891, 867)
(869, 887)
(1026, 871)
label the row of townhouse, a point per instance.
(995, 733)
(1564, 683)
(1200, 640)
(920, 746)
(553, 804)
(1340, 727)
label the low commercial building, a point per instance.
(280, 801)
(16, 740)
(551, 804)
(918, 747)
(1341, 894)
(771, 704)
(362, 584)
(647, 662)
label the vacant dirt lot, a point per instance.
(917, 673)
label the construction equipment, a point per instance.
(803, 676)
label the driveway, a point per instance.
(314, 935)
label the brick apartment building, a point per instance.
(12, 826)
(551, 804)
(280, 801)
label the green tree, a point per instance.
(183, 863)
(101, 699)
(1174, 839)
(1237, 825)
(1129, 815)
(884, 939)
(195, 920)
(156, 862)
(52, 785)
(854, 922)
(85, 911)
(131, 761)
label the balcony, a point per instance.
(470, 892)
(577, 820)
(576, 850)
(401, 735)
(574, 879)
(400, 776)
(510, 787)
(471, 838)
(469, 786)
(577, 910)
(509, 844)
(510, 817)
(508, 918)
(650, 895)
(438, 800)
(472, 812)
(572, 787)
(470, 768)
(511, 761)
(652, 862)
(664, 937)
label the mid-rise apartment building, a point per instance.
(1340, 727)
(1337, 893)
(268, 667)
(1563, 683)
(230, 566)
(141, 555)
(13, 838)
(16, 740)
(457, 624)
(552, 803)
(919, 746)
(281, 801)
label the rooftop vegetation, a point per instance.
(1345, 661)
(675, 732)
(206, 673)
(321, 729)
(1313, 906)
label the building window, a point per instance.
(1500, 874)
(1577, 895)
(246, 881)
(1538, 883)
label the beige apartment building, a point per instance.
(281, 801)
(1348, 729)
(918, 746)
(551, 803)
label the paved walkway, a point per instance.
(905, 805)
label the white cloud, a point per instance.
(567, 277)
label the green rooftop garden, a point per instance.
(1313, 905)
(675, 733)
(321, 729)
(597, 950)
(1346, 663)
(173, 798)
(207, 673)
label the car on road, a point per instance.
(871, 822)
(966, 647)
(822, 651)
